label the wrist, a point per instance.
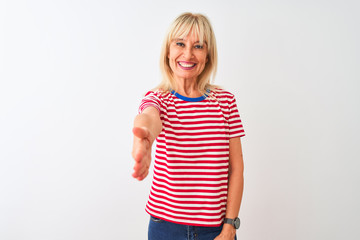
(228, 227)
(235, 222)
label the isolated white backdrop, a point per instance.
(73, 72)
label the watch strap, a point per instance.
(229, 221)
(234, 222)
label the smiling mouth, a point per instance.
(186, 66)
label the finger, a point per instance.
(136, 173)
(137, 167)
(140, 150)
(140, 168)
(142, 176)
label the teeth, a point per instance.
(186, 65)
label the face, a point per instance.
(187, 57)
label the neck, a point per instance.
(187, 87)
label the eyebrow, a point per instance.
(181, 39)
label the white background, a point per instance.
(72, 74)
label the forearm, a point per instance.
(235, 178)
(235, 184)
(235, 192)
(149, 119)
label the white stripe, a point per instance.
(192, 164)
(183, 154)
(196, 123)
(196, 188)
(195, 114)
(217, 205)
(162, 137)
(204, 106)
(192, 160)
(193, 198)
(194, 194)
(216, 131)
(199, 136)
(187, 210)
(180, 177)
(184, 170)
(192, 148)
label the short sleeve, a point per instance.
(151, 99)
(235, 124)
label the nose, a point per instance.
(188, 53)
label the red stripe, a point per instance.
(172, 155)
(190, 179)
(190, 195)
(193, 145)
(237, 132)
(191, 173)
(223, 204)
(179, 150)
(196, 162)
(194, 212)
(198, 201)
(197, 139)
(185, 134)
(191, 167)
(207, 222)
(218, 128)
(217, 110)
(196, 122)
(190, 184)
(197, 190)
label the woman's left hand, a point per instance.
(228, 233)
(222, 236)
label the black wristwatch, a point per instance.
(235, 222)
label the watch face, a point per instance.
(237, 223)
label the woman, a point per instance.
(198, 167)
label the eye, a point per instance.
(180, 44)
(198, 46)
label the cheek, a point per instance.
(203, 58)
(172, 53)
(204, 61)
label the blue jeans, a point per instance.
(163, 230)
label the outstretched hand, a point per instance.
(141, 152)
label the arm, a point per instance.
(147, 126)
(235, 187)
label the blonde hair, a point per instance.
(181, 28)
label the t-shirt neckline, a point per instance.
(188, 99)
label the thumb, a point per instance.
(141, 132)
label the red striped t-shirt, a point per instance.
(192, 156)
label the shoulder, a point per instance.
(158, 93)
(221, 93)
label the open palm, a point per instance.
(141, 152)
